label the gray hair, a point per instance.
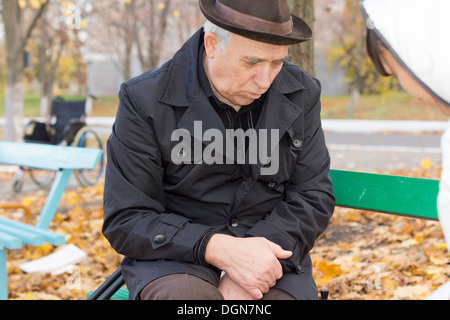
(222, 34)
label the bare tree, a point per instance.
(154, 25)
(146, 30)
(50, 43)
(17, 36)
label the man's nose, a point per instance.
(262, 78)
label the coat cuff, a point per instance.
(200, 248)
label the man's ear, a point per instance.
(211, 42)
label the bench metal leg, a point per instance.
(3, 276)
(109, 287)
(54, 196)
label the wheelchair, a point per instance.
(67, 127)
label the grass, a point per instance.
(398, 106)
(102, 106)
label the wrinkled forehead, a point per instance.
(249, 48)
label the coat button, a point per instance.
(297, 143)
(159, 239)
(272, 185)
(182, 153)
(234, 223)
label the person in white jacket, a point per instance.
(410, 39)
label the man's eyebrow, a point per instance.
(255, 60)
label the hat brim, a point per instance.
(301, 31)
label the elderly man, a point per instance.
(217, 183)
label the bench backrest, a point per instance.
(48, 157)
(405, 196)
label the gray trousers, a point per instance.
(188, 287)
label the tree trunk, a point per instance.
(15, 48)
(15, 71)
(303, 54)
(13, 107)
(354, 97)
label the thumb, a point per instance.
(279, 252)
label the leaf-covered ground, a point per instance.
(362, 255)
(367, 255)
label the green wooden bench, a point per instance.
(411, 197)
(63, 160)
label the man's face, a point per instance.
(244, 70)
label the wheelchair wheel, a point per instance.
(87, 138)
(18, 180)
(43, 178)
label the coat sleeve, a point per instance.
(135, 219)
(308, 204)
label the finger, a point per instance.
(278, 273)
(279, 252)
(271, 284)
(265, 288)
(256, 294)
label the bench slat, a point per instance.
(10, 241)
(27, 237)
(412, 197)
(48, 236)
(3, 275)
(48, 157)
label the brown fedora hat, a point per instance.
(268, 21)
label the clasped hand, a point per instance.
(251, 265)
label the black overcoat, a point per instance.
(155, 211)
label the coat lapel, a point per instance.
(279, 112)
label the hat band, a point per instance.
(253, 23)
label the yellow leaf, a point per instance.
(27, 202)
(353, 216)
(84, 24)
(388, 283)
(419, 238)
(329, 269)
(35, 4)
(73, 198)
(426, 163)
(45, 249)
(441, 246)
(22, 3)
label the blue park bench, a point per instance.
(404, 196)
(63, 160)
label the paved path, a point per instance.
(378, 151)
(371, 145)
